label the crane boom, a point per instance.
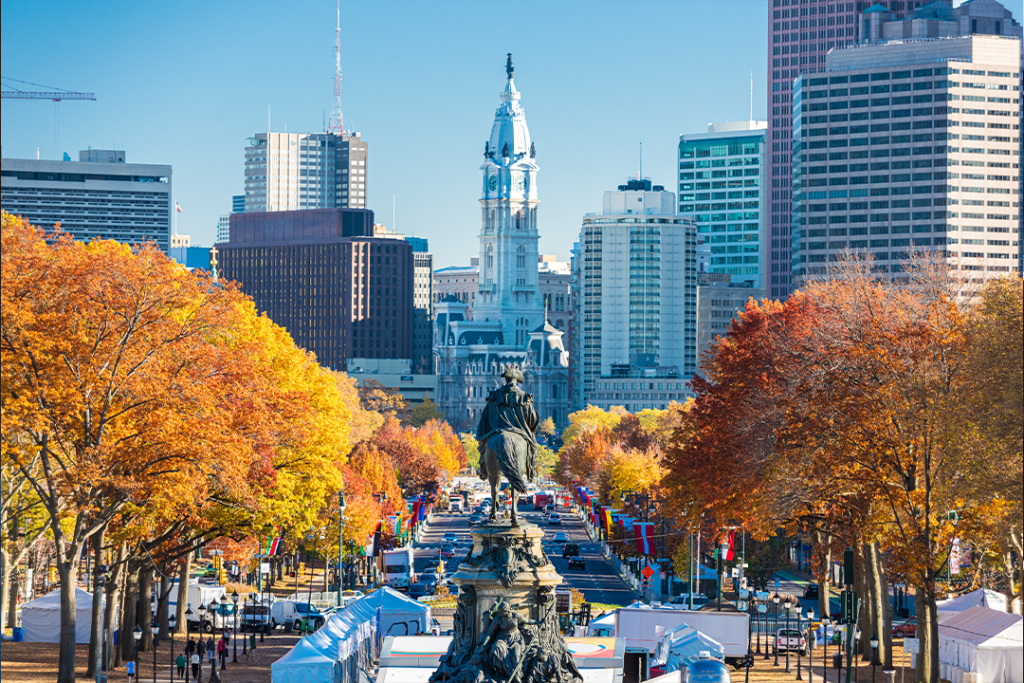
(54, 96)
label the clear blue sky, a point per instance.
(184, 83)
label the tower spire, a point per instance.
(336, 124)
(508, 66)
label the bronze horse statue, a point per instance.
(507, 442)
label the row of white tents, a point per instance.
(351, 639)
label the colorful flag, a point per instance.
(273, 545)
(729, 554)
(643, 537)
(177, 207)
(398, 525)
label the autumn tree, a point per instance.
(384, 400)
(424, 412)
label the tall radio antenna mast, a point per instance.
(336, 124)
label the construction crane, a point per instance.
(55, 95)
(52, 94)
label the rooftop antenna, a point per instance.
(640, 172)
(751, 95)
(337, 125)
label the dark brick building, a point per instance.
(322, 275)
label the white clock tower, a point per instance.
(509, 291)
(508, 325)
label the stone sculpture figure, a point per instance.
(508, 444)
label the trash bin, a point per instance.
(17, 635)
(837, 660)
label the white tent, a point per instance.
(985, 644)
(40, 619)
(962, 603)
(304, 663)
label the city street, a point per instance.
(598, 582)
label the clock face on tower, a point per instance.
(526, 182)
(518, 184)
(492, 182)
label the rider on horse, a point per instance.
(510, 409)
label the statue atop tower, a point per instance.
(508, 66)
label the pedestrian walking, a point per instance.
(180, 662)
(130, 670)
(195, 665)
(190, 647)
(222, 651)
(201, 648)
(211, 652)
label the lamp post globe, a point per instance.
(874, 656)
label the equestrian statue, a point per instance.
(506, 435)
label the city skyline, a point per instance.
(589, 108)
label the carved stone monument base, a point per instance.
(506, 627)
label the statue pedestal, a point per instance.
(506, 627)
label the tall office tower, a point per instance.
(910, 145)
(293, 171)
(722, 177)
(100, 195)
(636, 300)
(237, 203)
(322, 275)
(800, 34)
(509, 324)
(422, 307)
(224, 221)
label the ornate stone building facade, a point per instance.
(509, 324)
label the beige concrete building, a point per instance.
(910, 145)
(719, 301)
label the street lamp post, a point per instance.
(101, 582)
(760, 611)
(787, 605)
(137, 635)
(811, 644)
(152, 600)
(799, 652)
(224, 613)
(874, 656)
(245, 641)
(188, 639)
(234, 627)
(775, 639)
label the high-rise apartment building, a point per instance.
(910, 145)
(800, 34)
(322, 275)
(100, 195)
(722, 176)
(298, 171)
(635, 302)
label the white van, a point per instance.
(290, 612)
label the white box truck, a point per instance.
(399, 567)
(215, 616)
(639, 627)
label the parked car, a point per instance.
(907, 629)
(571, 550)
(577, 563)
(811, 591)
(420, 589)
(683, 601)
(790, 639)
(560, 537)
(555, 519)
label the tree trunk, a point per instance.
(113, 604)
(882, 610)
(129, 610)
(68, 570)
(180, 627)
(928, 634)
(1013, 605)
(824, 574)
(5, 583)
(861, 584)
(146, 606)
(163, 598)
(13, 585)
(95, 631)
